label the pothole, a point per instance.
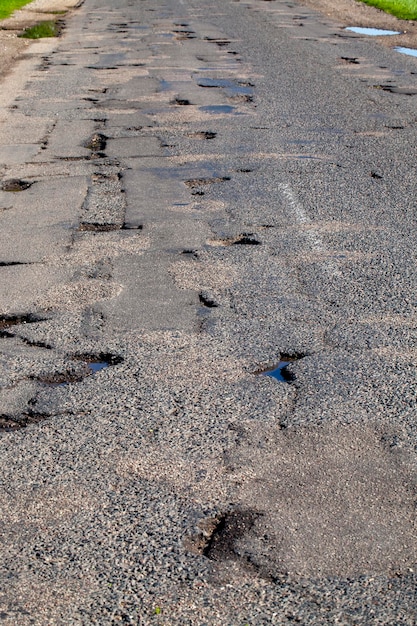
(193, 183)
(207, 301)
(97, 144)
(8, 321)
(245, 239)
(222, 43)
(218, 109)
(190, 253)
(97, 362)
(218, 537)
(181, 101)
(372, 32)
(241, 91)
(98, 228)
(15, 185)
(92, 363)
(12, 263)
(128, 226)
(404, 91)
(202, 135)
(279, 371)
(10, 423)
(352, 60)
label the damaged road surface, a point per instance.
(193, 195)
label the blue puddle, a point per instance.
(164, 85)
(218, 109)
(412, 52)
(278, 372)
(372, 32)
(96, 366)
(232, 88)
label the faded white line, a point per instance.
(300, 216)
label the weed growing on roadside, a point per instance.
(43, 29)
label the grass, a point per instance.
(8, 6)
(404, 9)
(43, 29)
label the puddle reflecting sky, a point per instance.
(224, 83)
(373, 32)
(412, 52)
(96, 366)
(277, 372)
(218, 109)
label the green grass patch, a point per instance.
(43, 29)
(8, 6)
(404, 9)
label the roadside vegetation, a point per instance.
(404, 9)
(43, 29)
(8, 6)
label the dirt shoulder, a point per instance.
(353, 13)
(11, 45)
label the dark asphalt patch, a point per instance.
(15, 185)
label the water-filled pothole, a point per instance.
(219, 109)
(97, 362)
(372, 32)
(92, 363)
(412, 52)
(279, 371)
(232, 89)
(15, 185)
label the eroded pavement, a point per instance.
(192, 193)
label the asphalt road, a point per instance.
(191, 193)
